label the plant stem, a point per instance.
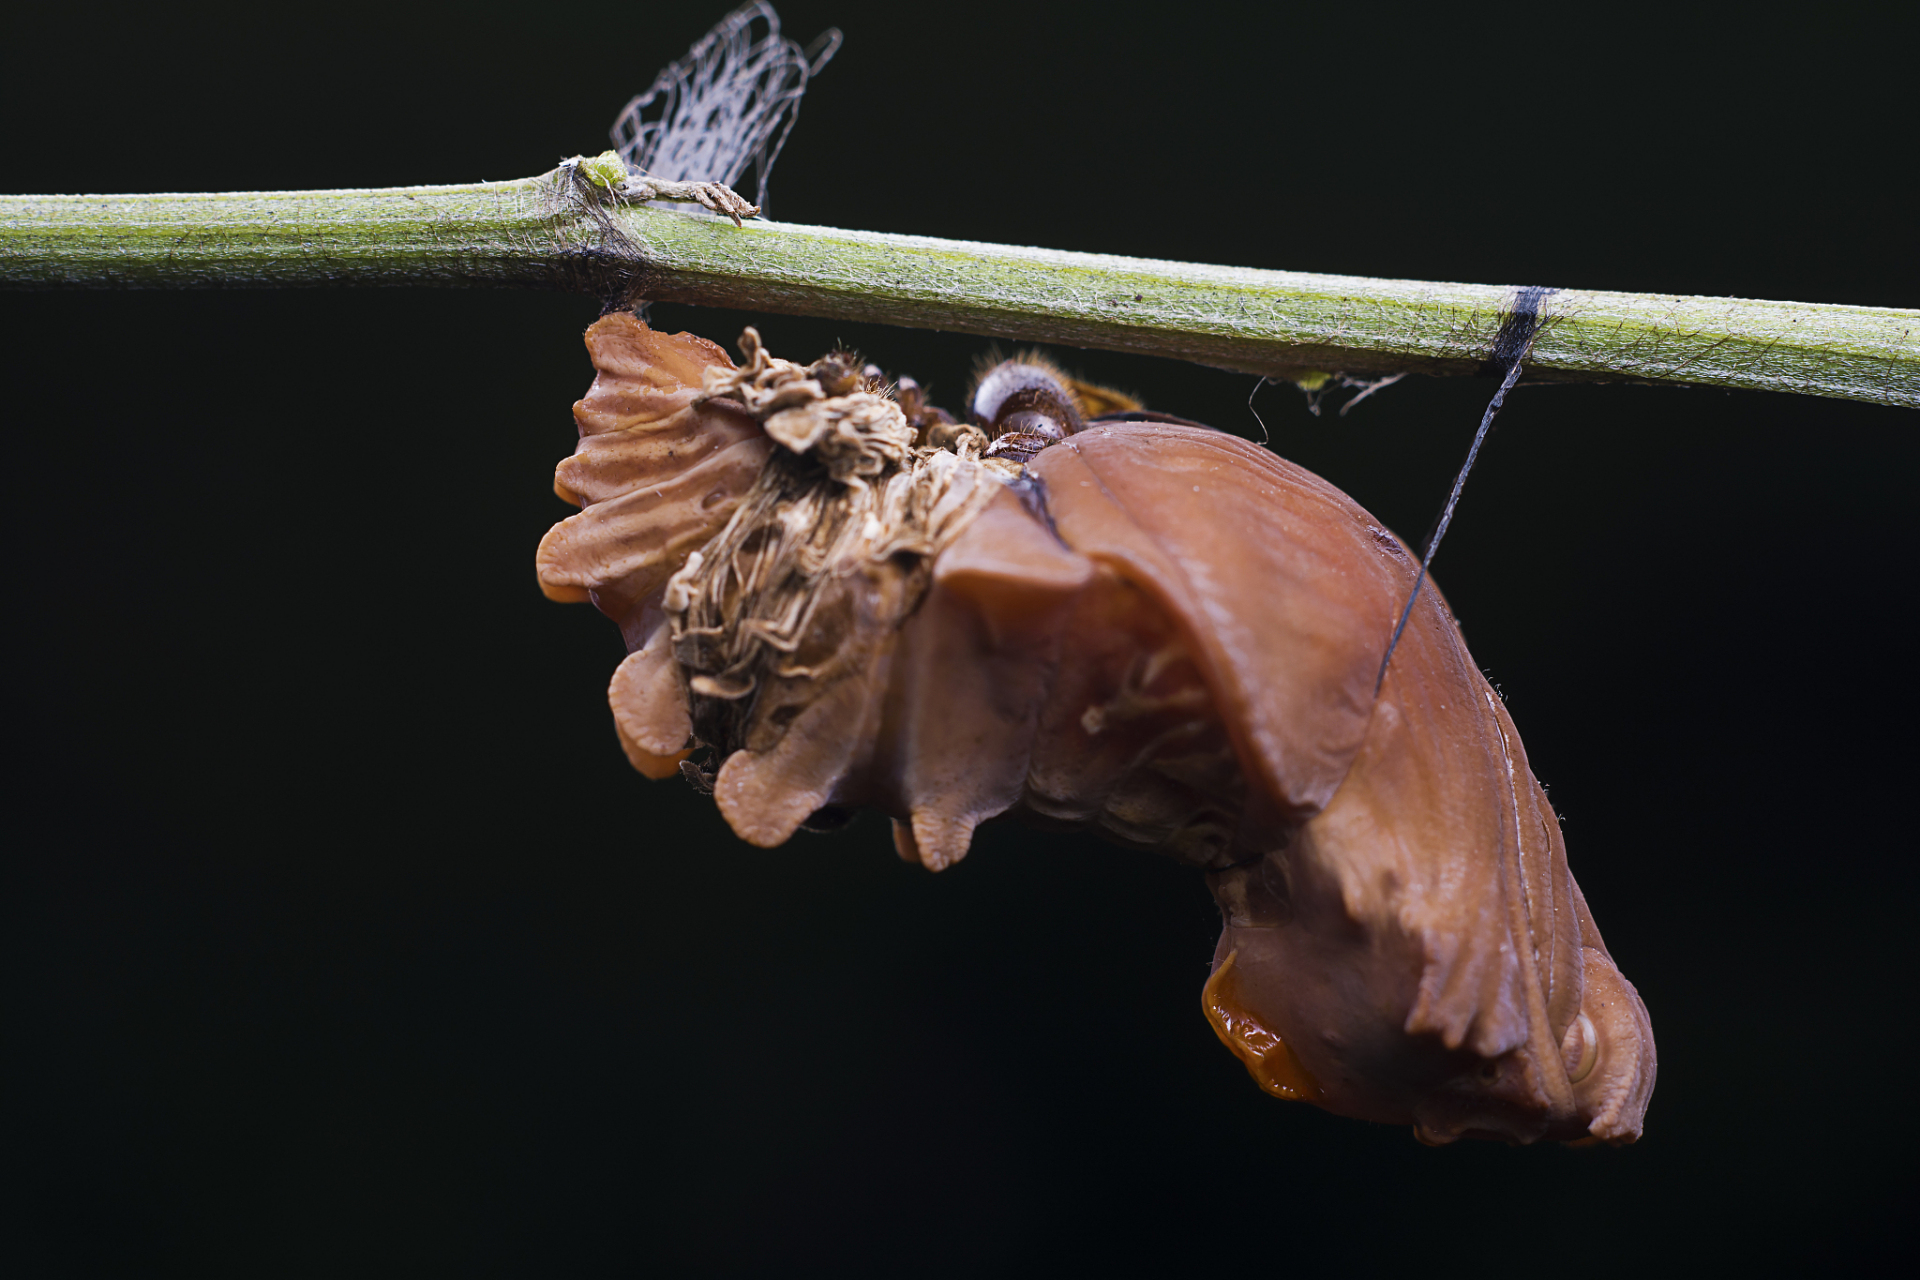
(529, 234)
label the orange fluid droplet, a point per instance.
(1270, 1061)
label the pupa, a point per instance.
(1068, 610)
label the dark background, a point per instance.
(341, 939)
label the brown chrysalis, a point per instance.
(1081, 614)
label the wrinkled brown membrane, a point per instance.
(1154, 630)
(659, 472)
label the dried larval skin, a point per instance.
(1152, 630)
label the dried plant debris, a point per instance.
(1066, 608)
(820, 565)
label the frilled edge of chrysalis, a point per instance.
(658, 471)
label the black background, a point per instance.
(340, 938)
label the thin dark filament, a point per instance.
(1453, 499)
(1265, 438)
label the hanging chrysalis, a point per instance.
(1065, 609)
(837, 597)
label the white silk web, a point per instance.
(728, 104)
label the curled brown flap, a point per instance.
(658, 469)
(1287, 588)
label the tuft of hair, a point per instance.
(1091, 399)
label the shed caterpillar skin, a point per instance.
(1087, 615)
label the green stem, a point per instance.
(525, 234)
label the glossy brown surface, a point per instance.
(1170, 636)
